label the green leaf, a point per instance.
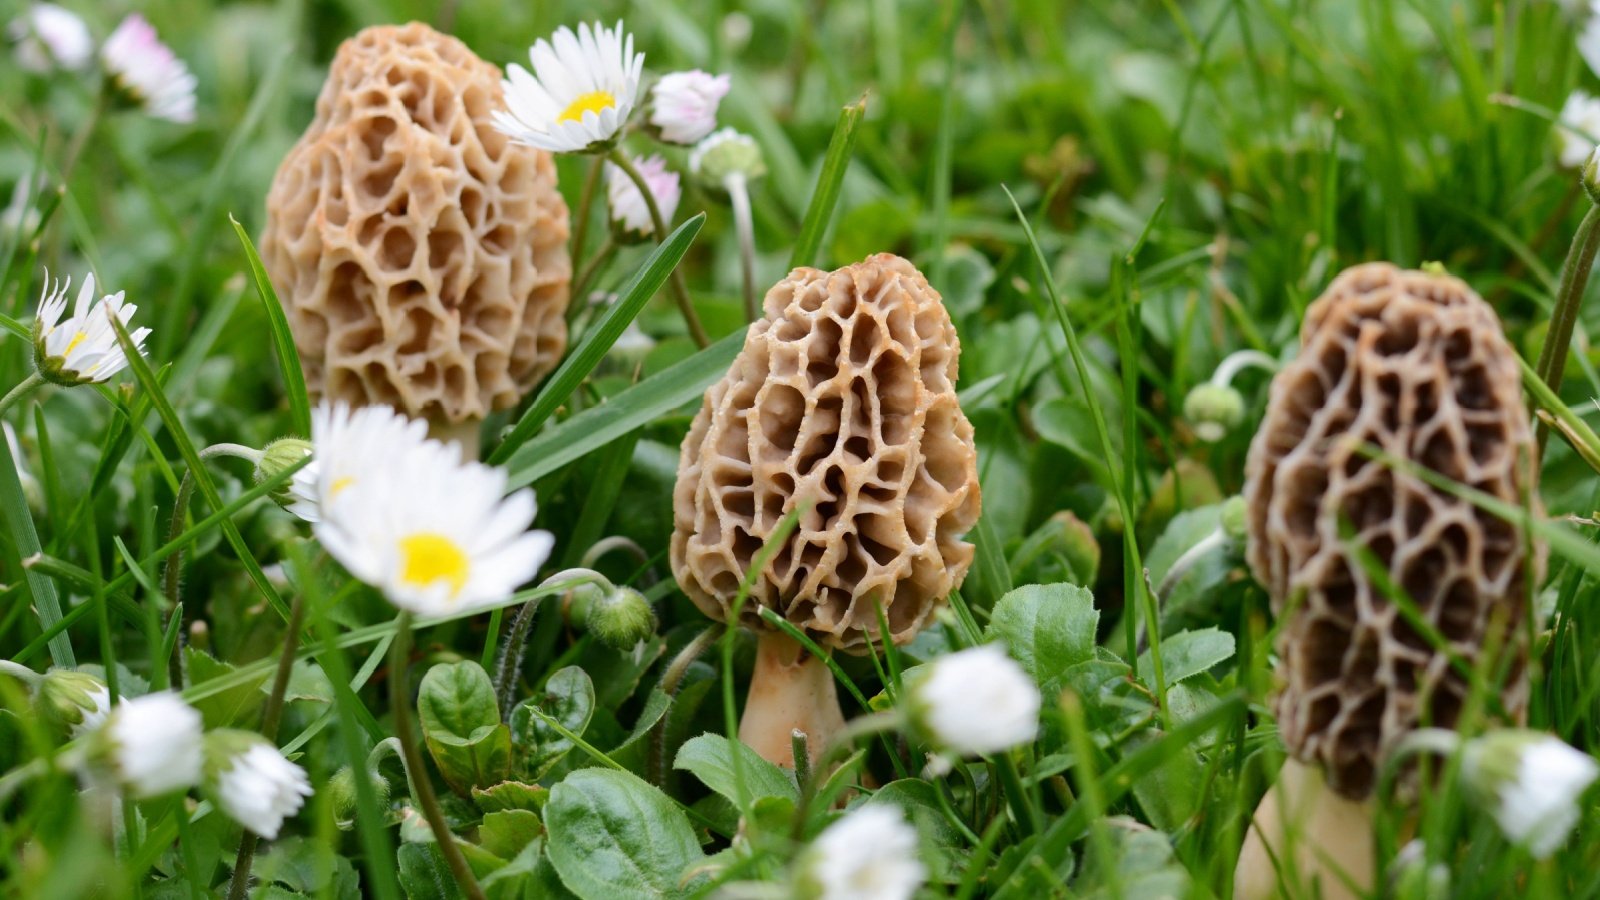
(511, 795)
(637, 406)
(506, 832)
(1188, 653)
(25, 538)
(612, 835)
(826, 194)
(424, 875)
(233, 706)
(294, 380)
(599, 338)
(569, 699)
(461, 724)
(710, 758)
(1049, 628)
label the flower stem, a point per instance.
(1238, 362)
(590, 269)
(422, 788)
(26, 387)
(1552, 362)
(580, 229)
(679, 289)
(739, 196)
(671, 680)
(271, 714)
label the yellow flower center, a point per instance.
(76, 340)
(594, 102)
(430, 557)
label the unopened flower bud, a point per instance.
(77, 701)
(1591, 176)
(1235, 519)
(1212, 410)
(342, 794)
(619, 618)
(724, 153)
(276, 457)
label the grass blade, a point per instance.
(294, 380)
(637, 406)
(580, 362)
(19, 521)
(826, 195)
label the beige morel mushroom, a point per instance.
(844, 399)
(1412, 365)
(421, 256)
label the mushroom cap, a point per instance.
(420, 255)
(1415, 365)
(842, 398)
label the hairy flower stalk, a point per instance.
(1552, 363)
(680, 290)
(728, 161)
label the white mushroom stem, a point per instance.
(790, 690)
(463, 434)
(1306, 840)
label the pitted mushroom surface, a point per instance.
(1412, 365)
(421, 256)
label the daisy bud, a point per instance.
(81, 348)
(151, 744)
(1531, 782)
(1235, 519)
(277, 456)
(252, 781)
(1212, 410)
(619, 618)
(48, 37)
(146, 74)
(342, 795)
(630, 215)
(725, 153)
(78, 701)
(870, 854)
(683, 105)
(974, 702)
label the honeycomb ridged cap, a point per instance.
(1413, 364)
(842, 402)
(421, 256)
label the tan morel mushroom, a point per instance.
(843, 398)
(1414, 365)
(421, 256)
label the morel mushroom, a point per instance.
(1412, 365)
(843, 404)
(421, 256)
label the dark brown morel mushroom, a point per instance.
(1412, 365)
(842, 403)
(421, 256)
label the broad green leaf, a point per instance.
(424, 875)
(637, 406)
(568, 698)
(511, 795)
(1049, 628)
(1188, 653)
(461, 725)
(612, 835)
(234, 706)
(710, 758)
(506, 832)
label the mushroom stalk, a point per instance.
(790, 690)
(1307, 839)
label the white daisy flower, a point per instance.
(1532, 782)
(147, 72)
(974, 702)
(580, 94)
(152, 744)
(628, 210)
(81, 348)
(345, 444)
(683, 105)
(47, 37)
(252, 781)
(1577, 129)
(870, 854)
(437, 535)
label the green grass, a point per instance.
(1111, 196)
